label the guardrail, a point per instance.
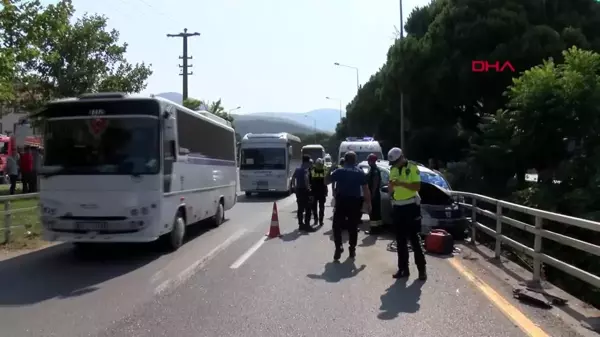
(537, 230)
(8, 212)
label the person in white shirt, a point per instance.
(12, 169)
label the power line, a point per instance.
(185, 58)
(156, 9)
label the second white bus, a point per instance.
(268, 161)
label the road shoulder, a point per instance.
(504, 276)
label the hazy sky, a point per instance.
(263, 55)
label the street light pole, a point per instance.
(314, 126)
(351, 67)
(339, 101)
(402, 128)
(230, 110)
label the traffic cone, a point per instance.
(274, 231)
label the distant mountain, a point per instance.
(327, 119)
(294, 123)
(261, 124)
(172, 96)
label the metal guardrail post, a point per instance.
(7, 221)
(537, 248)
(498, 247)
(473, 219)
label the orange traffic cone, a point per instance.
(274, 231)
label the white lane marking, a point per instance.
(248, 253)
(191, 270)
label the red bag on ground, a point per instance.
(439, 242)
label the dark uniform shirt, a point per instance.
(300, 174)
(372, 176)
(349, 181)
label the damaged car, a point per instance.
(438, 209)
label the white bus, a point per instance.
(119, 168)
(314, 151)
(362, 146)
(268, 161)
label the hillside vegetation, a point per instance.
(495, 126)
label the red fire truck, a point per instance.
(23, 136)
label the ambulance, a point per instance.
(362, 146)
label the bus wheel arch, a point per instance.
(173, 240)
(219, 217)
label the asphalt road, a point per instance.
(229, 281)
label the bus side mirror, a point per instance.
(169, 132)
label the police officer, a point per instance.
(301, 184)
(374, 181)
(404, 186)
(333, 185)
(349, 181)
(319, 190)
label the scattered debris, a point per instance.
(532, 297)
(557, 301)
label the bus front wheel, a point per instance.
(174, 239)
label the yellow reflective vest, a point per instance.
(408, 174)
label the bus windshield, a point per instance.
(314, 153)
(263, 159)
(103, 145)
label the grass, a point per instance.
(27, 233)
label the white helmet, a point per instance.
(319, 161)
(394, 154)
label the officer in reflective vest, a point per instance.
(404, 185)
(301, 184)
(319, 189)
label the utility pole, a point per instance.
(402, 124)
(185, 58)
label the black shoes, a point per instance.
(404, 273)
(338, 254)
(305, 228)
(352, 252)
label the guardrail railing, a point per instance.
(8, 212)
(538, 231)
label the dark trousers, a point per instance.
(346, 216)
(375, 214)
(407, 223)
(33, 182)
(319, 198)
(304, 207)
(13, 183)
(26, 181)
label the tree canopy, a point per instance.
(502, 123)
(493, 127)
(215, 107)
(45, 54)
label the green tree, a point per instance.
(17, 28)
(215, 107)
(432, 67)
(70, 58)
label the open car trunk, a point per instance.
(434, 195)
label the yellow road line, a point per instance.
(524, 323)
